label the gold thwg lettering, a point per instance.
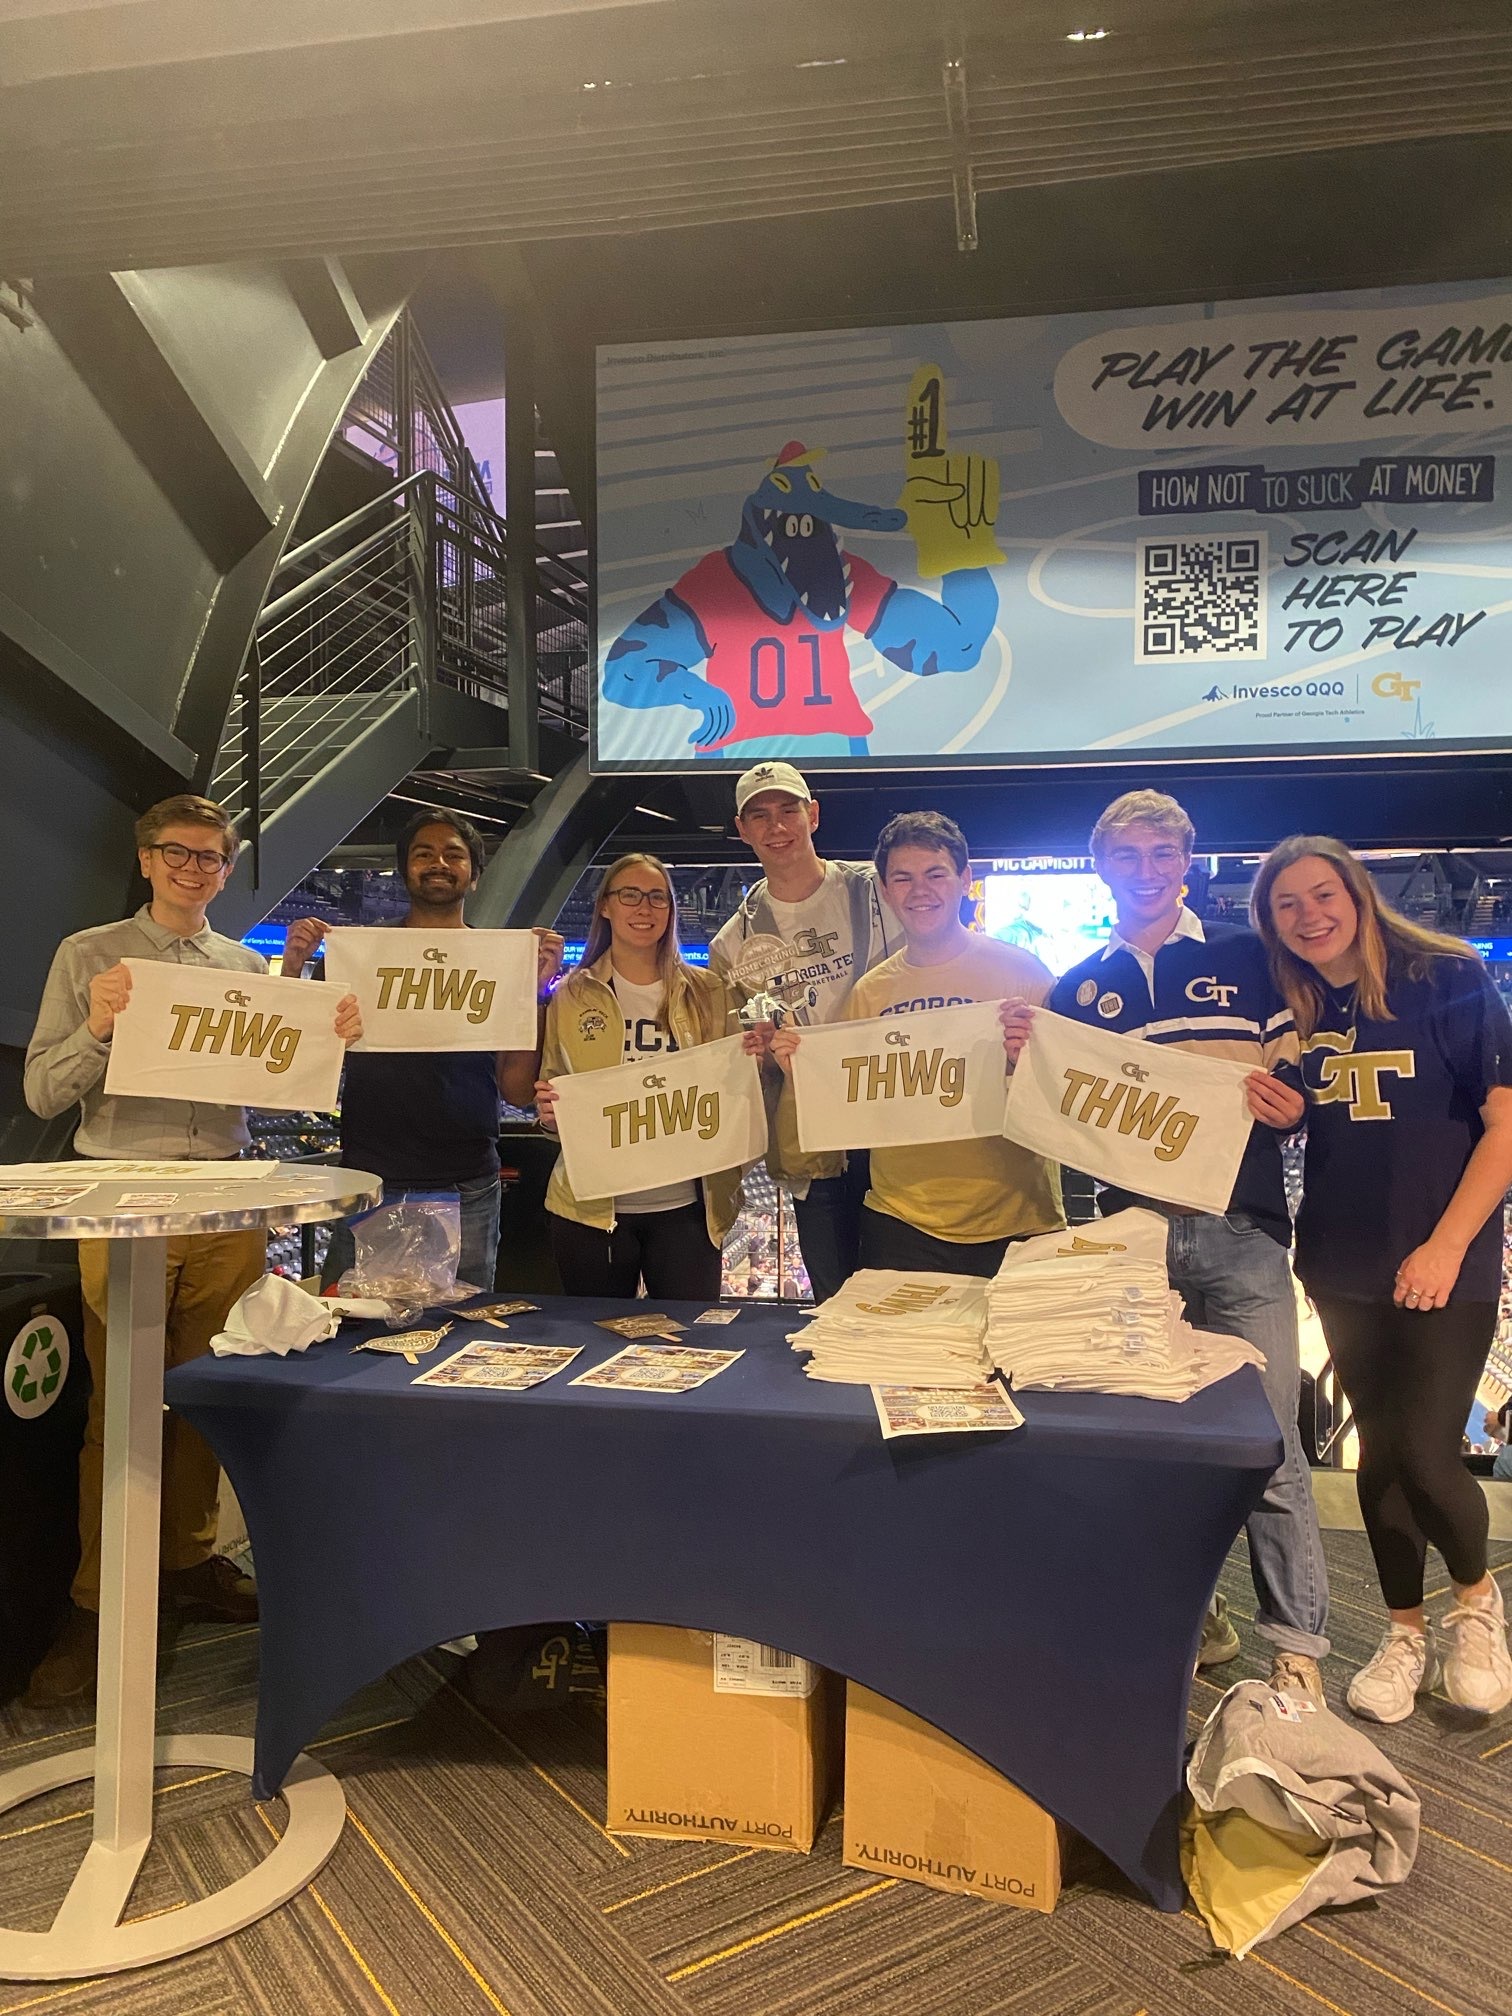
(663, 1113)
(232, 1030)
(909, 1074)
(1143, 1113)
(402, 987)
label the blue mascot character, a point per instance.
(752, 638)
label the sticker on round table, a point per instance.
(36, 1367)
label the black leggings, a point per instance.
(670, 1251)
(1410, 1378)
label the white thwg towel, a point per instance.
(437, 990)
(223, 1038)
(1156, 1121)
(663, 1120)
(899, 1081)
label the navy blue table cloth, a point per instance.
(1037, 1595)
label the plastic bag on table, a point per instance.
(407, 1254)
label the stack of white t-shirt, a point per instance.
(900, 1329)
(1092, 1310)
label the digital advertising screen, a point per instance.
(1061, 916)
(1236, 528)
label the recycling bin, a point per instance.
(44, 1396)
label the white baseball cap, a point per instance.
(769, 777)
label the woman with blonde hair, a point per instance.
(1407, 1061)
(633, 996)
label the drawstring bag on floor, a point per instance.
(1291, 1808)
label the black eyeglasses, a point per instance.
(633, 898)
(209, 861)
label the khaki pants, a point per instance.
(206, 1274)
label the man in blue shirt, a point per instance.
(1167, 978)
(429, 1120)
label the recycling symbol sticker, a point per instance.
(35, 1367)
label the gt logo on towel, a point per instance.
(1144, 1113)
(220, 1030)
(909, 1074)
(664, 1113)
(402, 987)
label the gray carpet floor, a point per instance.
(475, 1875)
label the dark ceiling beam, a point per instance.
(599, 121)
(328, 303)
(164, 407)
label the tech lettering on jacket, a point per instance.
(1143, 1113)
(232, 1030)
(905, 1073)
(662, 1113)
(430, 987)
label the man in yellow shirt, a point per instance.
(950, 1208)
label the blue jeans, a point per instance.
(829, 1226)
(1234, 1279)
(479, 1257)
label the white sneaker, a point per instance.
(1478, 1665)
(1386, 1688)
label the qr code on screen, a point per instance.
(1200, 600)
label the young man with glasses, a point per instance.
(185, 849)
(1166, 976)
(804, 934)
(428, 1120)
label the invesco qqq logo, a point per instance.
(36, 1367)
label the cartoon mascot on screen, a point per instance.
(752, 638)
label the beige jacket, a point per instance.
(585, 1031)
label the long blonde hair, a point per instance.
(669, 957)
(1387, 940)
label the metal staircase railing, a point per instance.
(406, 593)
(341, 638)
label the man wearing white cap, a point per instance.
(805, 934)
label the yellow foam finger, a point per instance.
(924, 430)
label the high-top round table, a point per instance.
(87, 1936)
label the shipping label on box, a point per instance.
(742, 1666)
(691, 1761)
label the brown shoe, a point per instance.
(213, 1591)
(67, 1672)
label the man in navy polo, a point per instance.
(1166, 977)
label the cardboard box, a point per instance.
(920, 1806)
(717, 1739)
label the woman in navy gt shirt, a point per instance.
(1407, 1061)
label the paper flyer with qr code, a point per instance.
(1250, 526)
